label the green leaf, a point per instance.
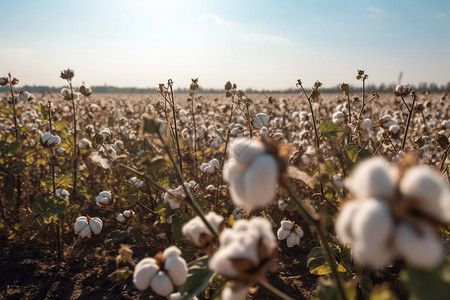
(328, 291)
(351, 152)
(428, 284)
(62, 126)
(47, 208)
(329, 129)
(164, 211)
(64, 180)
(151, 125)
(198, 278)
(115, 237)
(43, 111)
(316, 262)
(15, 147)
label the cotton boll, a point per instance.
(214, 163)
(171, 251)
(104, 198)
(278, 136)
(80, 223)
(121, 218)
(298, 231)
(231, 169)
(421, 249)
(282, 233)
(234, 294)
(282, 205)
(260, 120)
(85, 232)
(207, 168)
(287, 225)
(264, 132)
(215, 220)
(96, 225)
(244, 150)
(429, 190)
(366, 124)
(177, 270)
(372, 227)
(161, 284)
(338, 117)
(220, 262)
(343, 224)
(292, 240)
(337, 181)
(144, 272)
(372, 178)
(260, 181)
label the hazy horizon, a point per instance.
(256, 44)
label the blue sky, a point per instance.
(257, 44)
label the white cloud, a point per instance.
(211, 19)
(265, 38)
(440, 15)
(376, 12)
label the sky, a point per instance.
(257, 44)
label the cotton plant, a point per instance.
(245, 255)
(198, 234)
(290, 232)
(162, 273)
(393, 214)
(85, 226)
(252, 173)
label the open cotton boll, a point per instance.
(80, 223)
(264, 132)
(372, 178)
(104, 198)
(285, 224)
(207, 168)
(366, 124)
(144, 272)
(244, 150)
(337, 181)
(214, 163)
(171, 251)
(85, 232)
(429, 190)
(260, 182)
(338, 117)
(177, 270)
(261, 120)
(96, 225)
(292, 239)
(343, 224)
(420, 249)
(282, 233)
(161, 284)
(372, 227)
(242, 245)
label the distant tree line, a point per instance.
(382, 88)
